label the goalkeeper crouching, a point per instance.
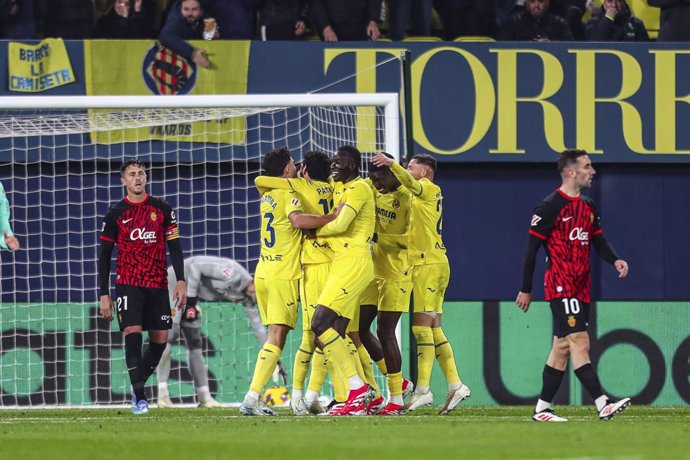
(209, 279)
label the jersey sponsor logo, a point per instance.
(143, 235)
(535, 220)
(387, 213)
(578, 234)
(124, 221)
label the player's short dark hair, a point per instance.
(425, 159)
(275, 161)
(131, 162)
(375, 169)
(568, 158)
(352, 153)
(318, 165)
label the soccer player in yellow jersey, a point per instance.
(315, 190)
(430, 276)
(392, 274)
(349, 236)
(278, 271)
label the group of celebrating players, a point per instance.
(349, 250)
(317, 235)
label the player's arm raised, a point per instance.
(266, 183)
(401, 173)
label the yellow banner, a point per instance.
(36, 68)
(115, 67)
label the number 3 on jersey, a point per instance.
(271, 240)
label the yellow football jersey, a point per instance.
(426, 224)
(392, 226)
(317, 198)
(280, 241)
(356, 240)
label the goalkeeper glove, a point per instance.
(191, 311)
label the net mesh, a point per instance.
(60, 170)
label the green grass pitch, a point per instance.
(472, 432)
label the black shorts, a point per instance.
(569, 315)
(145, 307)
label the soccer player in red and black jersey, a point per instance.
(566, 222)
(140, 225)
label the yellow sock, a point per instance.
(365, 359)
(395, 383)
(265, 365)
(318, 371)
(381, 364)
(355, 358)
(336, 352)
(340, 387)
(425, 354)
(445, 357)
(302, 359)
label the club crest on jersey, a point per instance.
(535, 220)
(396, 203)
(166, 72)
(572, 321)
(154, 216)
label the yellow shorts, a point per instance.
(353, 325)
(314, 277)
(394, 295)
(429, 287)
(370, 296)
(348, 279)
(277, 301)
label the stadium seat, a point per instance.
(473, 38)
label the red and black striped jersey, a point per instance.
(140, 231)
(566, 225)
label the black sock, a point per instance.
(152, 356)
(589, 379)
(134, 361)
(551, 381)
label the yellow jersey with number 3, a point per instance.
(280, 241)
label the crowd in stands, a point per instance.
(344, 20)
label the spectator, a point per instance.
(466, 17)
(21, 19)
(70, 19)
(236, 18)
(675, 20)
(536, 23)
(125, 20)
(185, 22)
(347, 20)
(404, 12)
(284, 19)
(615, 23)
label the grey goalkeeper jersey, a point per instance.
(213, 278)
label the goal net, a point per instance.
(59, 164)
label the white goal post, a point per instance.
(59, 164)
